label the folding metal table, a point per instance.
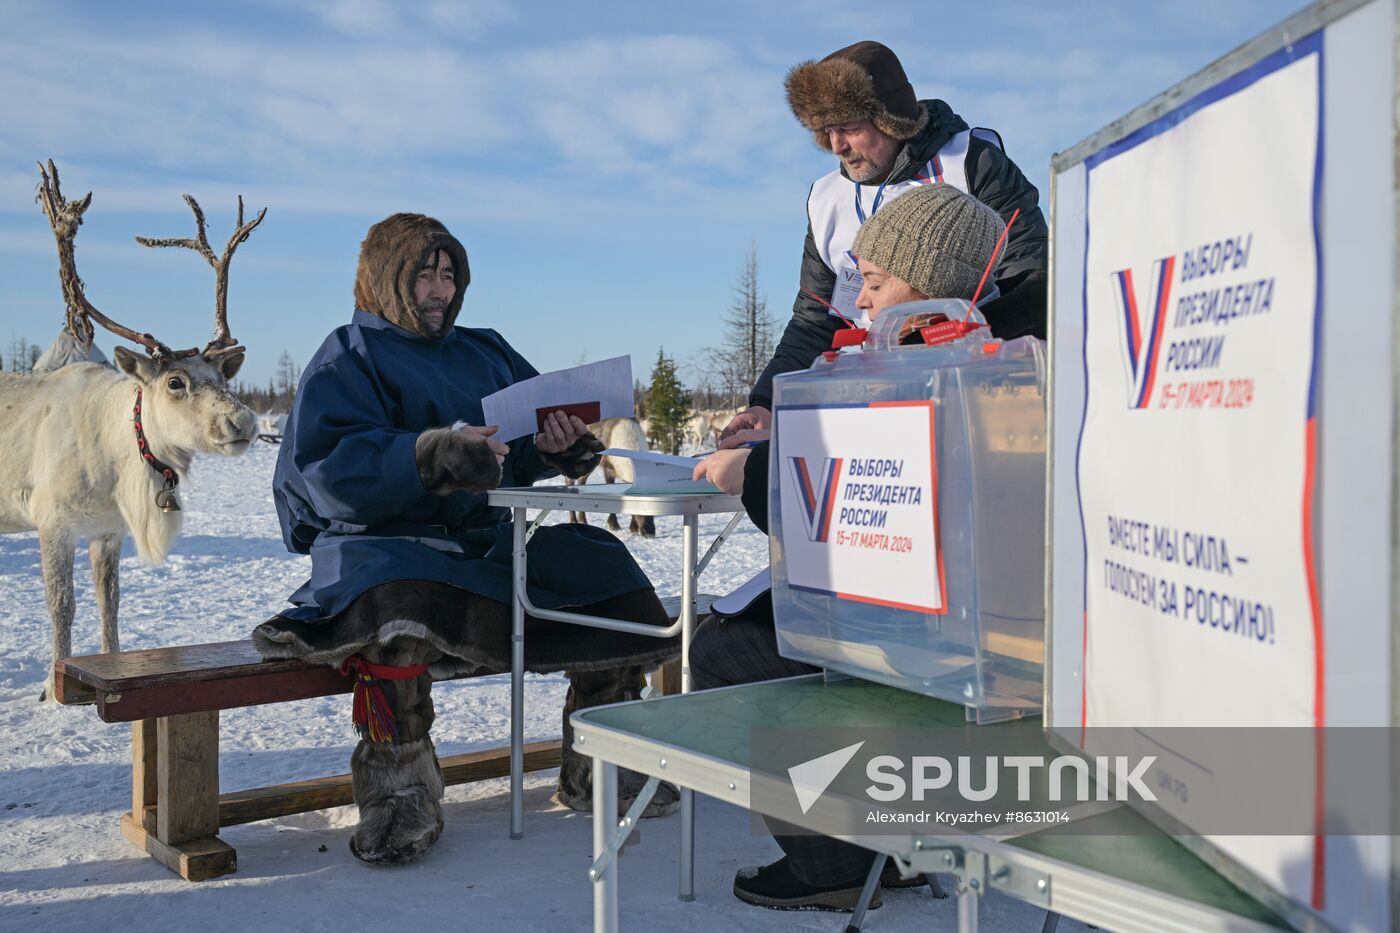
(615, 500)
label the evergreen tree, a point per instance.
(667, 406)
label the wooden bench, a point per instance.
(172, 698)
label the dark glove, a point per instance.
(577, 461)
(451, 461)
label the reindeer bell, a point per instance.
(166, 501)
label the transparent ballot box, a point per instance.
(907, 507)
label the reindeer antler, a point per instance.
(65, 217)
(223, 342)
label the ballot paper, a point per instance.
(662, 474)
(593, 391)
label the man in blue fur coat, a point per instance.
(410, 567)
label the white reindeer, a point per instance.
(705, 426)
(620, 434)
(87, 451)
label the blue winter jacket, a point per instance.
(347, 489)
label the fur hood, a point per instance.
(864, 81)
(390, 257)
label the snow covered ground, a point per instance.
(65, 775)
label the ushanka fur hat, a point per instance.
(390, 257)
(864, 81)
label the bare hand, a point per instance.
(724, 468)
(497, 448)
(561, 431)
(740, 438)
(755, 417)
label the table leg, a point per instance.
(690, 536)
(517, 683)
(690, 545)
(604, 818)
(867, 894)
(968, 902)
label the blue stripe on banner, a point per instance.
(1317, 233)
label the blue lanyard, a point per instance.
(880, 192)
(879, 196)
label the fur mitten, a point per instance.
(579, 460)
(450, 461)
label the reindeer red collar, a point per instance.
(165, 499)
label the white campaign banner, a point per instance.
(863, 480)
(1195, 465)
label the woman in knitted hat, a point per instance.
(933, 242)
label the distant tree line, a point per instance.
(281, 388)
(22, 356)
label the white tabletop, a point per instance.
(614, 498)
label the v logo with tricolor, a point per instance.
(816, 498)
(1142, 339)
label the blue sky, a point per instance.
(606, 165)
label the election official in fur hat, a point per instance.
(859, 105)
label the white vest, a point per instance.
(837, 206)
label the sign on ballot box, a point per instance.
(863, 481)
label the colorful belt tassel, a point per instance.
(373, 716)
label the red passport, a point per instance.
(587, 412)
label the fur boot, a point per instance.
(399, 787)
(597, 688)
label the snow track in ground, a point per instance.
(65, 775)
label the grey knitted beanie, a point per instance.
(934, 237)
